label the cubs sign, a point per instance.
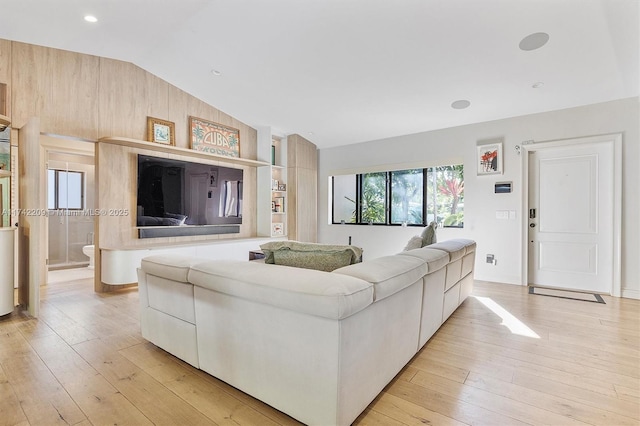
(214, 138)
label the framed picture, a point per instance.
(277, 228)
(161, 131)
(490, 159)
(282, 187)
(214, 138)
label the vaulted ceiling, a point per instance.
(347, 71)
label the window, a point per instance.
(412, 197)
(65, 190)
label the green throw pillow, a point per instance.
(323, 257)
(322, 261)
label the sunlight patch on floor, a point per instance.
(508, 320)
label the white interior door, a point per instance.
(571, 217)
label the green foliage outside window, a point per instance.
(412, 197)
(373, 199)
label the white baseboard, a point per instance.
(631, 294)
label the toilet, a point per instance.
(89, 251)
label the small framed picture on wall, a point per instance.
(489, 159)
(161, 131)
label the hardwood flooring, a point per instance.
(504, 358)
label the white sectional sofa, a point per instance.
(318, 346)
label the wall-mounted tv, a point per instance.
(174, 193)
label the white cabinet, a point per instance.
(6, 270)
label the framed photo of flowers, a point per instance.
(490, 159)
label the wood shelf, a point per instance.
(5, 173)
(4, 121)
(170, 149)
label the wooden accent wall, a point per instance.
(90, 97)
(5, 74)
(302, 189)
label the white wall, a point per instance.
(496, 236)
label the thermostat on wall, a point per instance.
(502, 187)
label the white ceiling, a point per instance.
(347, 71)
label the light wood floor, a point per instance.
(84, 362)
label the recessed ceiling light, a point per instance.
(537, 85)
(534, 41)
(90, 18)
(460, 104)
(216, 72)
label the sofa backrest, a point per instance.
(308, 291)
(388, 274)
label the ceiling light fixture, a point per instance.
(90, 18)
(216, 72)
(534, 41)
(537, 85)
(460, 104)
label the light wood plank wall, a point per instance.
(302, 188)
(5, 72)
(90, 97)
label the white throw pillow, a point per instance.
(414, 243)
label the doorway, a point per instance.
(573, 214)
(33, 236)
(70, 199)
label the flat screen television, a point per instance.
(181, 193)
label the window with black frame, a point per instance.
(400, 197)
(65, 190)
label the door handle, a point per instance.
(532, 225)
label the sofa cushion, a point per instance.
(388, 274)
(323, 257)
(469, 245)
(455, 248)
(434, 258)
(302, 290)
(172, 267)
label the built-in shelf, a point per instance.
(170, 149)
(5, 173)
(4, 121)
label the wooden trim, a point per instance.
(4, 121)
(134, 143)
